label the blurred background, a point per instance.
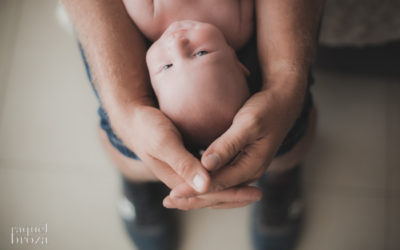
(54, 174)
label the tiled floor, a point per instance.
(53, 170)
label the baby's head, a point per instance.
(198, 80)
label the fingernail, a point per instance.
(211, 161)
(199, 183)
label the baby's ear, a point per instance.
(245, 70)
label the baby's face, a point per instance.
(187, 47)
(197, 78)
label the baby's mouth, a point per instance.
(179, 26)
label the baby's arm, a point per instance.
(143, 13)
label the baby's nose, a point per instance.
(182, 41)
(180, 45)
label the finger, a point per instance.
(173, 152)
(232, 195)
(249, 166)
(165, 173)
(231, 205)
(182, 190)
(226, 147)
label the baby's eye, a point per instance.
(167, 66)
(201, 53)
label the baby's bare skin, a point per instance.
(198, 80)
(233, 17)
(200, 94)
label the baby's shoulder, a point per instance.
(141, 13)
(153, 16)
(233, 18)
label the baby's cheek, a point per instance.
(169, 96)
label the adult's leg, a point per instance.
(131, 169)
(148, 223)
(277, 217)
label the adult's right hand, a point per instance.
(158, 143)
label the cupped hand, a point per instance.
(243, 153)
(157, 142)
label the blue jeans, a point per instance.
(248, 56)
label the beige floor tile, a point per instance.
(49, 149)
(343, 222)
(394, 223)
(79, 210)
(350, 144)
(216, 229)
(394, 134)
(49, 110)
(9, 17)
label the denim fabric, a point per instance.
(248, 56)
(104, 120)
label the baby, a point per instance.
(198, 80)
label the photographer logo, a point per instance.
(29, 235)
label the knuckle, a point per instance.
(253, 122)
(181, 204)
(158, 142)
(232, 147)
(184, 166)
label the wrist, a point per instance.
(285, 71)
(289, 89)
(121, 114)
(287, 81)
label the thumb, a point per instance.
(225, 148)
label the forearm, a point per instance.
(287, 37)
(115, 50)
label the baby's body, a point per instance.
(198, 80)
(233, 17)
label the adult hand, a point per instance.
(242, 154)
(286, 43)
(158, 143)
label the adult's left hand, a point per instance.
(243, 153)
